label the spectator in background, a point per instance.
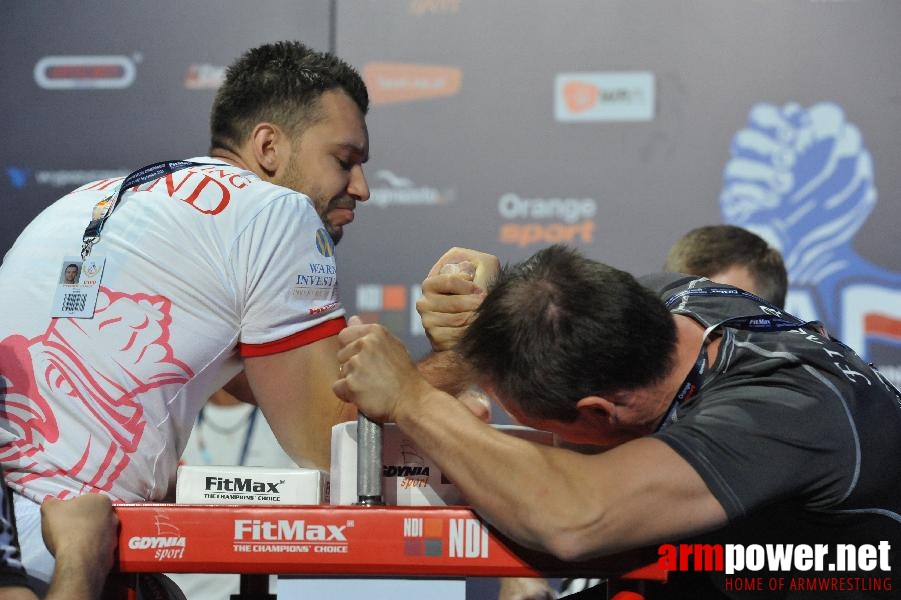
(731, 255)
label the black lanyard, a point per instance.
(245, 446)
(141, 176)
(781, 321)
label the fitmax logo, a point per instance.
(287, 531)
(238, 484)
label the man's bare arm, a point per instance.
(239, 387)
(294, 391)
(563, 502)
(576, 505)
(451, 293)
(81, 534)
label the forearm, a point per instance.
(446, 371)
(76, 578)
(17, 593)
(514, 484)
(569, 504)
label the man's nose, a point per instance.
(358, 187)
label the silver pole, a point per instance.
(369, 461)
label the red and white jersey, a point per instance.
(202, 266)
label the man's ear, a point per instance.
(596, 408)
(269, 146)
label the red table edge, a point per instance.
(503, 557)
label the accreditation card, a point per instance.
(78, 287)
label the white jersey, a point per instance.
(202, 266)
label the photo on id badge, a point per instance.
(71, 273)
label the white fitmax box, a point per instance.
(250, 485)
(408, 477)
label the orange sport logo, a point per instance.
(390, 83)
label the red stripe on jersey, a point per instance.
(301, 338)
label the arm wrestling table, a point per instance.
(366, 539)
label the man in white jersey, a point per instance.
(192, 273)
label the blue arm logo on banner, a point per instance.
(802, 179)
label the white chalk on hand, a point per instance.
(465, 268)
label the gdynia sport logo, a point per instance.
(811, 567)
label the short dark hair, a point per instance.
(559, 327)
(712, 249)
(279, 82)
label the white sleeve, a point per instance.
(284, 262)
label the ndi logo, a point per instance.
(392, 305)
(422, 536)
(467, 538)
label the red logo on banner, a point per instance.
(204, 76)
(84, 72)
(884, 326)
(580, 96)
(398, 82)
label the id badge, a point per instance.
(78, 287)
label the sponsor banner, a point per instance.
(378, 297)
(389, 189)
(204, 76)
(392, 305)
(870, 322)
(84, 72)
(21, 177)
(390, 83)
(544, 221)
(249, 485)
(623, 96)
(420, 8)
(329, 540)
